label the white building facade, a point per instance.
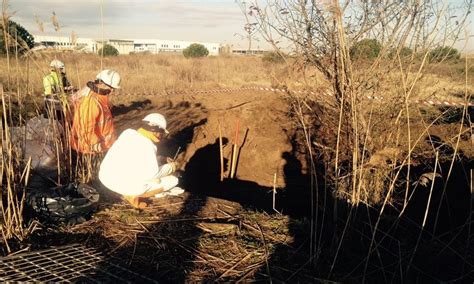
(171, 46)
(66, 43)
(124, 46)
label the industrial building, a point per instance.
(65, 43)
(124, 46)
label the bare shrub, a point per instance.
(351, 137)
(325, 35)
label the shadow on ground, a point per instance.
(122, 109)
(330, 239)
(430, 240)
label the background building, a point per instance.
(124, 46)
(65, 43)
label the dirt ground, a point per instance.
(233, 231)
(215, 229)
(194, 122)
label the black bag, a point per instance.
(70, 204)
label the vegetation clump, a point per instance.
(17, 38)
(405, 52)
(273, 57)
(195, 50)
(443, 53)
(108, 50)
(365, 49)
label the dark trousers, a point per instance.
(53, 109)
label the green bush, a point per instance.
(273, 57)
(108, 50)
(405, 52)
(442, 53)
(195, 50)
(365, 49)
(19, 38)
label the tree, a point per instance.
(195, 50)
(365, 49)
(404, 52)
(273, 57)
(108, 50)
(442, 53)
(16, 37)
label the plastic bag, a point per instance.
(70, 204)
(37, 140)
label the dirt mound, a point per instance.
(194, 122)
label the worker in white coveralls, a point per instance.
(131, 167)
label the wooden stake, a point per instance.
(235, 151)
(234, 160)
(221, 153)
(231, 161)
(274, 190)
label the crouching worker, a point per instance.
(131, 168)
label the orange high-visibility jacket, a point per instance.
(92, 126)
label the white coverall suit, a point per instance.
(130, 167)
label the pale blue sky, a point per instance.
(190, 20)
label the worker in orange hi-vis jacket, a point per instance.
(92, 128)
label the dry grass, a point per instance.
(167, 72)
(430, 86)
(154, 73)
(222, 243)
(13, 181)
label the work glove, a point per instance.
(174, 164)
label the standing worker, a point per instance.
(55, 85)
(92, 129)
(131, 168)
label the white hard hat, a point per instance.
(57, 64)
(110, 78)
(156, 119)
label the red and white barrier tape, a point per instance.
(226, 90)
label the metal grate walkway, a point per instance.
(72, 263)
